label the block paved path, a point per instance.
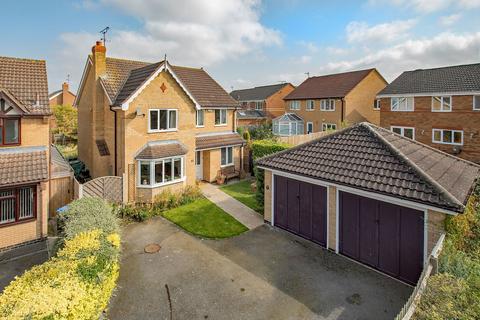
(232, 206)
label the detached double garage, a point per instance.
(385, 236)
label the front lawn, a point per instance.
(243, 193)
(205, 219)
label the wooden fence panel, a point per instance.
(109, 188)
(61, 193)
(302, 138)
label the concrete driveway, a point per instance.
(264, 273)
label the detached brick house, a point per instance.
(61, 97)
(325, 102)
(24, 151)
(260, 104)
(439, 107)
(162, 126)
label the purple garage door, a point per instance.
(301, 208)
(384, 236)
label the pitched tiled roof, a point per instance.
(26, 80)
(162, 149)
(374, 159)
(124, 77)
(463, 78)
(329, 86)
(23, 165)
(257, 93)
(210, 141)
(250, 114)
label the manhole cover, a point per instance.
(152, 248)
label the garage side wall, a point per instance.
(268, 185)
(435, 228)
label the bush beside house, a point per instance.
(78, 282)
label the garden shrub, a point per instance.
(78, 282)
(262, 148)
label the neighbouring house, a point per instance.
(261, 104)
(24, 151)
(61, 97)
(328, 102)
(369, 194)
(161, 126)
(439, 107)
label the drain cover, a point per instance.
(152, 248)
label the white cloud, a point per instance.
(310, 46)
(337, 51)
(385, 32)
(429, 6)
(450, 20)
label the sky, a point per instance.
(245, 43)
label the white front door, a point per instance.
(199, 164)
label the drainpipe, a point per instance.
(342, 117)
(114, 140)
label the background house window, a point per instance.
(9, 131)
(376, 104)
(161, 171)
(259, 105)
(227, 156)
(401, 104)
(309, 127)
(329, 126)
(294, 105)
(310, 105)
(327, 105)
(162, 119)
(441, 104)
(200, 118)
(447, 136)
(17, 204)
(220, 117)
(408, 132)
(476, 102)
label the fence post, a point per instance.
(124, 188)
(80, 191)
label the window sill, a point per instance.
(159, 185)
(327, 110)
(221, 125)
(10, 224)
(160, 131)
(227, 165)
(441, 111)
(448, 143)
(309, 109)
(200, 126)
(402, 110)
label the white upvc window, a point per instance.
(226, 156)
(294, 105)
(258, 105)
(329, 126)
(327, 105)
(402, 104)
(376, 104)
(310, 105)
(408, 132)
(162, 120)
(220, 117)
(200, 118)
(154, 173)
(447, 136)
(442, 104)
(309, 127)
(476, 102)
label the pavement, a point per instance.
(16, 261)
(232, 206)
(263, 273)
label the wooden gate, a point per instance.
(109, 188)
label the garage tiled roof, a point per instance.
(60, 166)
(217, 140)
(26, 81)
(374, 159)
(23, 165)
(463, 78)
(162, 149)
(250, 114)
(257, 93)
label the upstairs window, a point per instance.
(442, 104)
(220, 117)
(294, 105)
(259, 105)
(162, 120)
(327, 105)
(199, 120)
(402, 104)
(9, 131)
(447, 136)
(376, 104)
(310, 105)
(476, 103)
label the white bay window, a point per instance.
(153, 173)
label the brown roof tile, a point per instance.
(162, 149)
(211, 141)
(26, 79)
(374, 159)
(117, 73)
(23, 165)
(329, 86)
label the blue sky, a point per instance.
(244, 43)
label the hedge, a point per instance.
(78, 282)
(262, 148)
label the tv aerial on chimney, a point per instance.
(104, 34)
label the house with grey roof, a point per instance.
(439, 107)
(370, 194)
(261, 104)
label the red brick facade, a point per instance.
(462, 117)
